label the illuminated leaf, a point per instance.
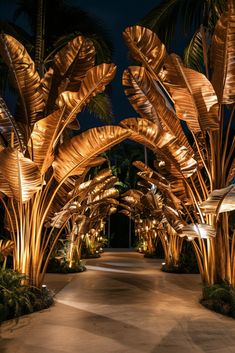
(221, 200)
(75, 155)
(21, 174)
(25, 78)
(222, 55)
(145, 46)
(94, 82)
(193, 95)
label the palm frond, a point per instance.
(145, 46)
(21, 174)
(177, 158)
(25, 78)
(101, 107)
(221, 200)
(94, 82)
(222, 56)
(193, 94)
(146, 98)
(201, 231)
(6, 247)
(43, 138)
(193, 53)
(164, 18)
(77, 154)
(8, 126)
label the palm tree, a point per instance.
(36, 165)
(47, 36)
(164, 92)
(191, 21)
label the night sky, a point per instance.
(114, 16)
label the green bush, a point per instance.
(219, 298)
(17, 299)
(187, 261)
(58, 266)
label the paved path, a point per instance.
(122, 304)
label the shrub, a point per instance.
(59, 266)
(17, 299)
(219, 298)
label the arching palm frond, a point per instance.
(9, 129)
(25, 79)
(74, 156)
(193, 53)
(164, 18)
(20, 173)
(145, 46)
(222, 54)
(182, 16)
(101, 107)
(146, 99)
(94, 82)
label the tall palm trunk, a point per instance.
(40, 37)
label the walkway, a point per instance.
(122, 304)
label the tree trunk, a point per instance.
(40, 36)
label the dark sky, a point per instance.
(115, 16)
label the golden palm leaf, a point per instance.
(146, 132)
(81, 188)
(220, 200)
(80, 150)
(164, 187)
(201, 231)
(60, 218)
(180, 189)
(97, 188)
(94, 162)
(180, 157)
(145, 46)
(91, 188)
(68, 69)
(173, 218)
(74, 60)
(25, 78)
(94, 82)
(222, 56)
(102, 175)
(43, 139)
(231, 172)
(62, 197)
(161, 180)
(8, 126)
(21, 174)
(193, 95)
(5, 188)
(46, 83)
(177, 159)
(6, 247)
(106, 194)
(145, 97)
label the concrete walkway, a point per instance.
(122, 304)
